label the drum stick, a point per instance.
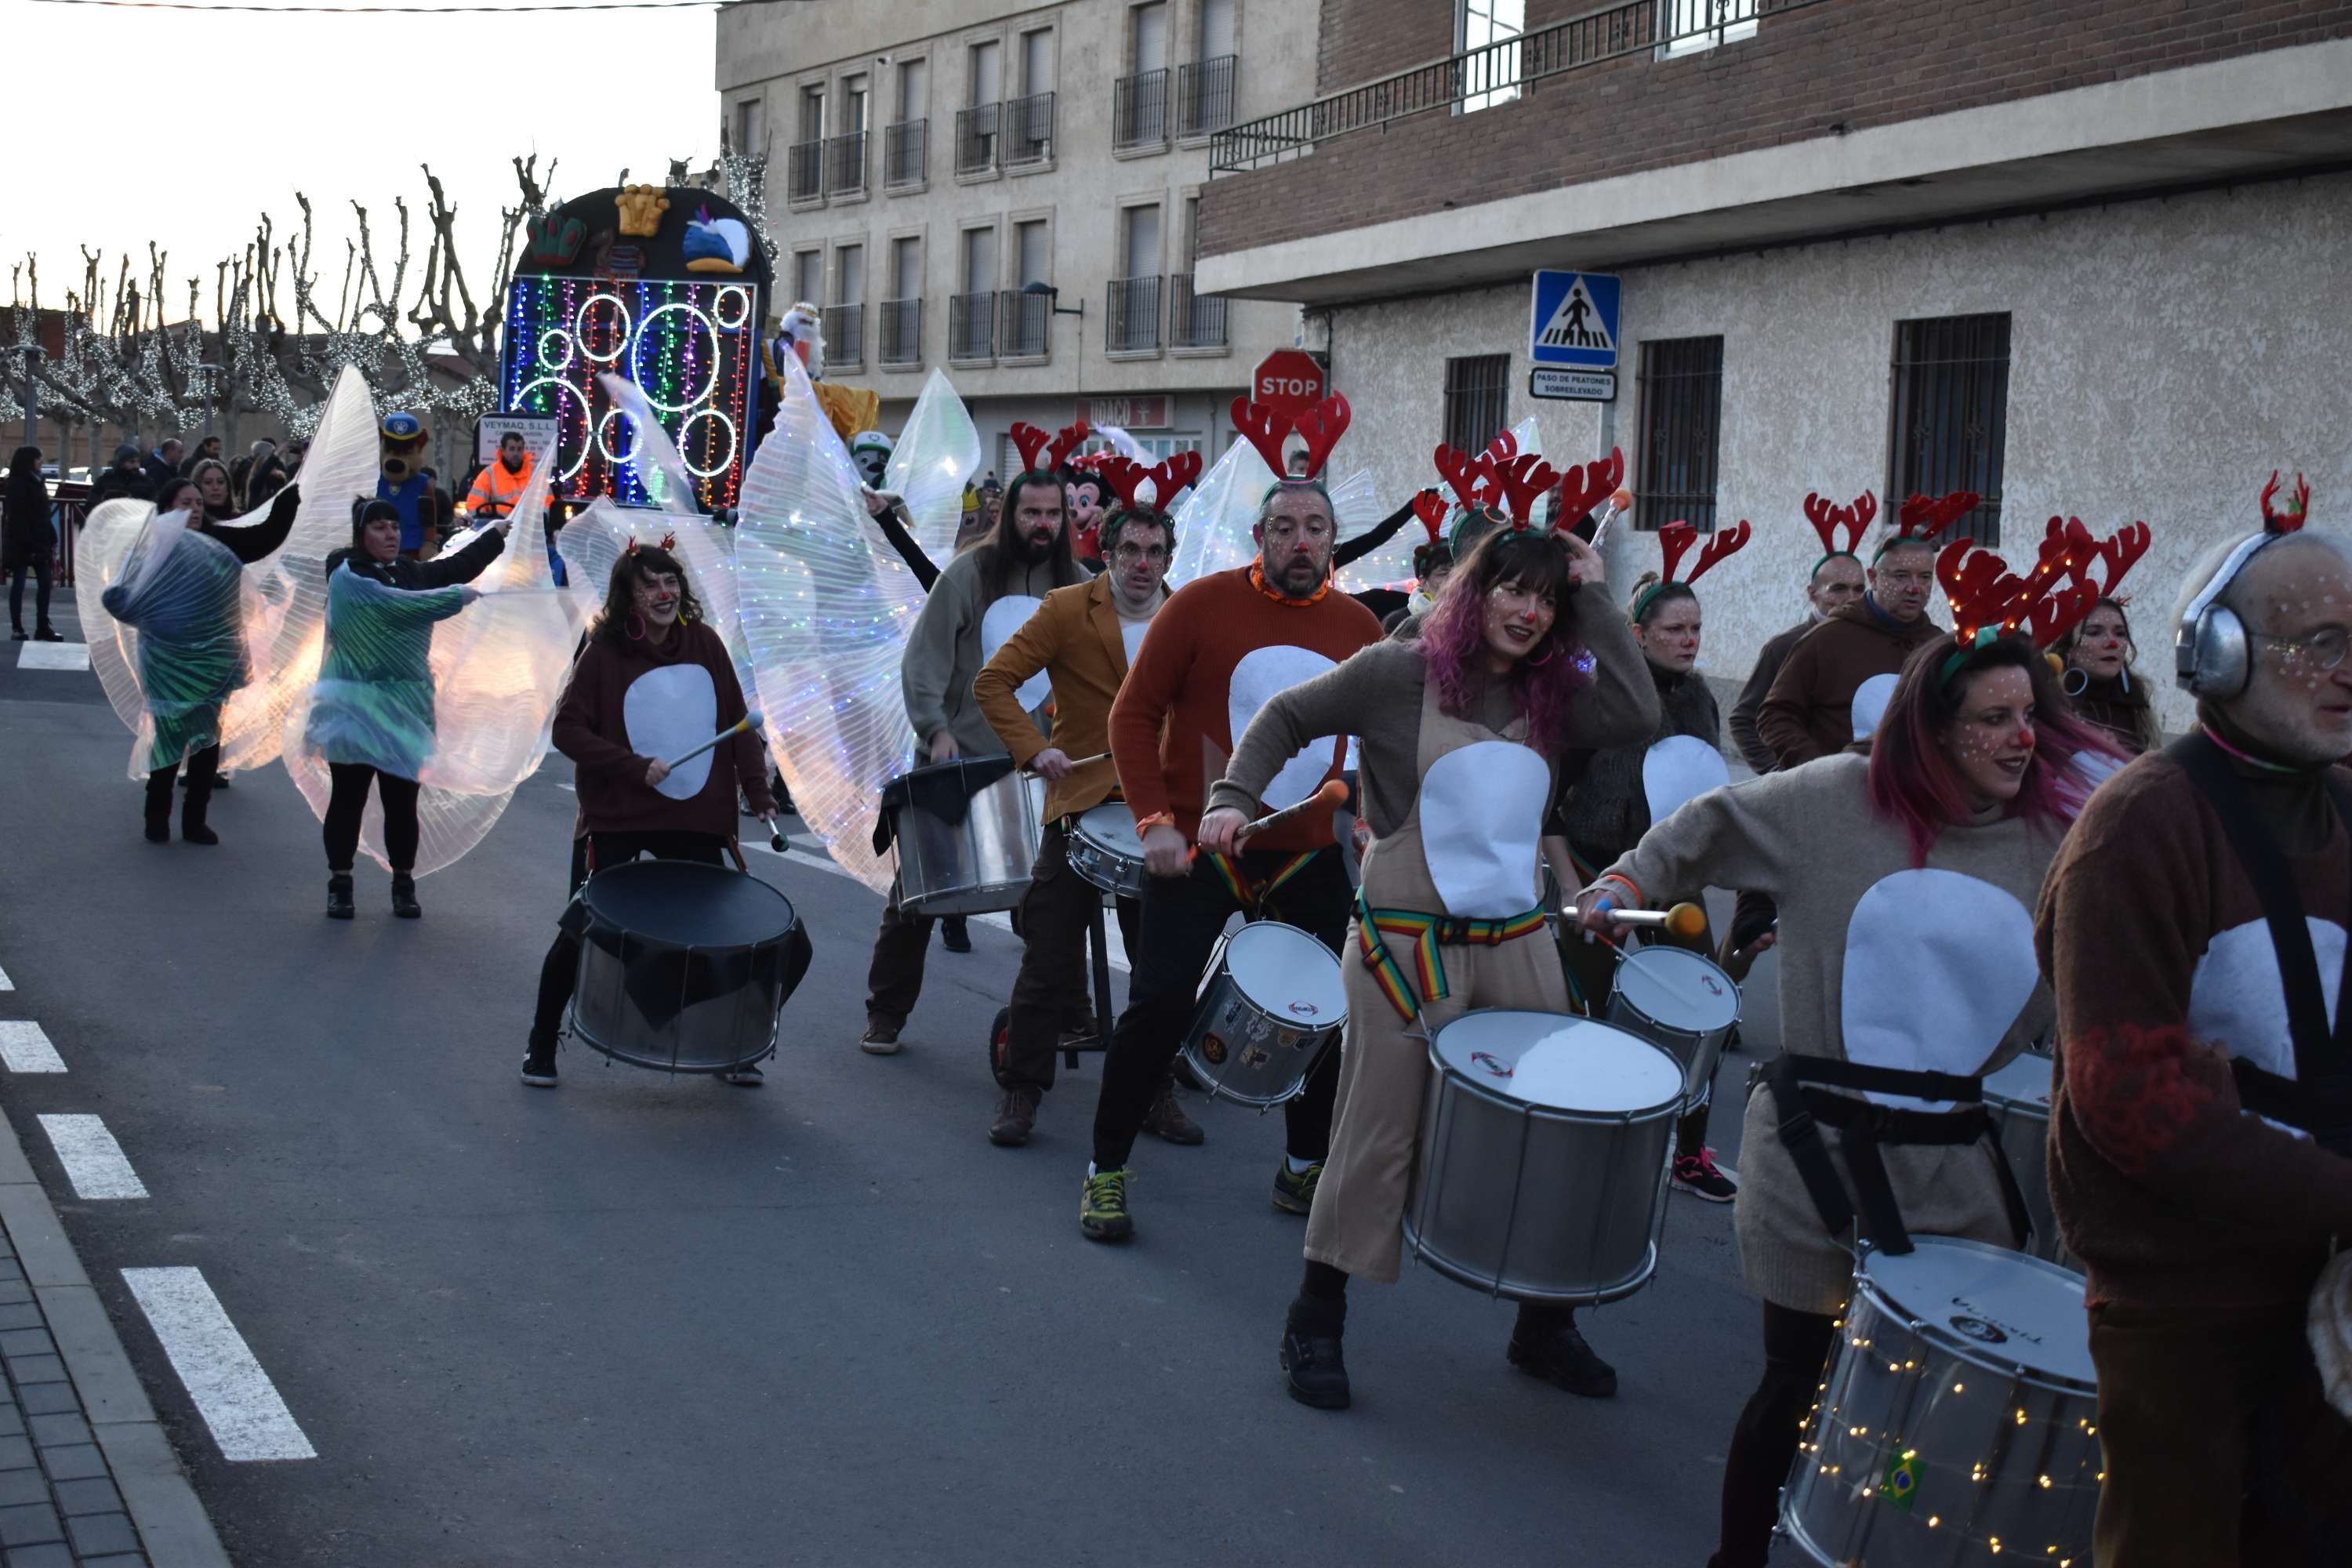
(775, 835)
(1683, 920)
(744, 725)
(1088, 761)
(1332, 797)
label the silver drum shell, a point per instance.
(1240, 1051)
(975, 867)
(1697, 1050)
(2024, 1125)
(1105, 867)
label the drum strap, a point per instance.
(1250, 897)
(1427, 933)
(1864, 1126)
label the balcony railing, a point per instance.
(844, 336)
(1497, 73)
(1204, 96)
(1195, 321)
(972, 326)
(845, 165)
(906, 155)
(1024, 324)
(1140, 111)
(976, 138)
(805, 172)
(1134, 316)
(902, 331)
(1028, 130)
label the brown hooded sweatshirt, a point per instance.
(1810, 711)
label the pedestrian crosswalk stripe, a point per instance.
(25, 1047)
(248, 1416)
(52, 656)
(7, 983)
(95, 1163)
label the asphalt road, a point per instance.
(649, 1321)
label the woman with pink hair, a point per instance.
(1460, 731)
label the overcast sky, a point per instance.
(133, 125)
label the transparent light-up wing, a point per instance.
(936, 454)
(1355, 506)
(1214, 524)
(652, 454)
(180, 593)
(826, 609)
(99, 557)
(589, 544)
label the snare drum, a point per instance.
(1271, 1004)
(1543, 1158)
(683, 966)
(1958, 1415)
(1679, 1000)
(964, 847)
(2018, 1097)
(1105, 849)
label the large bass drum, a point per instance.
(2018, 1097)
(1271, 1004)
(1543, 1158)
(966, 833)
(1679, 1000)
(1958, 1418)
(683, 967)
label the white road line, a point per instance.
(7, 983)
(94, 1161)
(238, 1402)
(25, 1047)
(52, 656)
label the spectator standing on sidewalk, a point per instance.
(28, 542)
(125, 480)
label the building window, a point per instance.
(902, 313)
(808, 277)
(1486, 31)
(1478, 400)
(845, 319)
(1682, 413)
(1685, 26)
(1950, 421)
(751, 129)
(1139, 98)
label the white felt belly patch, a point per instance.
(1677, 770)
(670, 710)
(1937, 967)
(1481, 813)
(997, 624)
(2237, 1003)
(1261, 673)
(1870, 700)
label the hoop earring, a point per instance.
(2075, 682)
(636, 626)
(1551, 654)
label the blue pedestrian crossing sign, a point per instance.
(1574, 320)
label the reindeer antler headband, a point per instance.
(1924, 517)
(668, 542)
(1841, 527)
(1990, 601)
(1056, 449)
(2276, 525)
(1675, 540)
(1142, 489)
(1320, 427)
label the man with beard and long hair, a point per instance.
(982, 596)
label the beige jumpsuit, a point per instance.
(1357, 1222)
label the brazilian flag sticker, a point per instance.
(1900, 1486)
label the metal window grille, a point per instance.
(1204, 96)
(902, 331)
(805, 171)
(906, 155)
(1139, 110)
(1682, 415)
(972, 326)
(844, 336)
(1024, 324)
(1029, 130)
(845, 165)
(1478, 400)
(1686, 24)
(976, 138)
(1195, 321)
(1134, 315)
(1950, 420)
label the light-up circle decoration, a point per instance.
(739, 300)
(522, 398)
(718, 466)
(604, 435)
(621, 339)
(545, 343)
(646, 331)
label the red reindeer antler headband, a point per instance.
(1150, 490)
(2119, 554)
(1924, 517)
(1033, 442)
(2297, 506)
(668, 542)
(1850, 522)
(1675, 541)
(1319, 426)
(1990, 601)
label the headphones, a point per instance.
(2212, 652)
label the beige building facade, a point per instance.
(1010, 193)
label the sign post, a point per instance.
(1572, 337)
(1289, 382)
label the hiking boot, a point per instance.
(1698, 1175)
(1293, 1191)
(1166, 1119)
(1315, 1373)
(48, 634)
(1102, 1210)
(1017, 1117)
(539, 1066)
(339, 896)
(880, 1038)
(1547, 1346)
(193, 807)
(404, 897)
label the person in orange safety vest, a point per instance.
(501, 484)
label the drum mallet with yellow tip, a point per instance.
(1685, 920)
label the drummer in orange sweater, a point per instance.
(1217, 652)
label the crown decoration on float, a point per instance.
(1320, 426)
(1924, 517)
(1147, 490)
(1055, 450)
(2298, 506)
(1841, 527)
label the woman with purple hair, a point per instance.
(1460, 732)
(1906, 881)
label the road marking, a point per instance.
(236, 1397)
(94, 1161)
(7, 983)
(26, 1047)
(52, 656)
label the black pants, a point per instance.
(1055, 917)
(349, 800)
(1181, 919)
(562, 968)
(1795, 1347)
(42, 571)
(894, 978)
(203, 766)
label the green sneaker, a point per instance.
(1294, 1191)
(1102, 1211)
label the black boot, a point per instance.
(404, 897)
(47, 632)
(953, 935)
(192, 815)
(539, 1064)
(1310, 1352)
(1545, 1343)
(158, 809)
(339, 896)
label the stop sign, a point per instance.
(1289, 381)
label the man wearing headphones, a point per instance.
(2194, 926)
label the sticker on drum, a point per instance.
(1683, 989)
(2021, 1311)
(1213, 1047)
(1562, 1062)
(1288, 973)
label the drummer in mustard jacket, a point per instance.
(1460, 732)
(1082, 638)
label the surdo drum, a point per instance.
(1271, 1004)
(1958, 1418)
(1678, 1000)
(683, 967)
(966, 835)
(1105, 850)
(1543, 1158)
(2018, 1097)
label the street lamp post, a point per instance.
(1054, 295)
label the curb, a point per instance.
(155, 1490)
